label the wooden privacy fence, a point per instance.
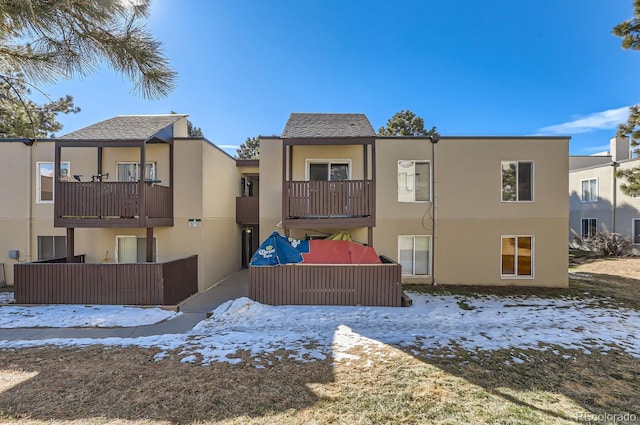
(82, 283)
(327, 284)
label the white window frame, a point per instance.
(328, 162)
(53, 243)
(581, 227)
(118, 237)
(533, 258)
(633, 233)
(429, 259)
(533, 180)
(594, 197)
(154, 169)
(414, 161)
(39, 164)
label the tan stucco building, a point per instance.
(199, 179)
(597, 204)
(452, 210)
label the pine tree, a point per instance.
(46, 40)
(21, 117)
(630, 33)
(249, 149)
(405, 123)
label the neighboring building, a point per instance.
(109, 207)
(597, 204)
(464, 210)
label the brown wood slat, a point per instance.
(101, 202)
(247, 210)
(81, 283)
(345, 198)
(375, 285)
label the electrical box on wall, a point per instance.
(14, 254)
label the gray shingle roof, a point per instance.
(125, 127)
(303, 125)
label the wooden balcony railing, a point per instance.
(99, 204)
(333, 201)
(247, 210)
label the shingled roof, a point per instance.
(125, 127)
(307, 125)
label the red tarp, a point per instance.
(339, 252)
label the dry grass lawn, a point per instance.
(385, 385)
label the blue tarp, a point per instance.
(277, 250)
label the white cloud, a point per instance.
(597, 149)
(228, 146)
(604, 120)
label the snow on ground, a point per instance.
(321, 332)
(6, 297)
(71, 316)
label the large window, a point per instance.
(52, 247)
(517, 256)
(589, 190)
(414, 181)
(328, 170)
(133, 249)
(130, 171)
(589, 228)
(636, 230)
(517, 181)
(44, 180)
(414, 255)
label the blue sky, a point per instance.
(492, 67)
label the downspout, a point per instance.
(29, 201)
(614, 165)
(434, 138)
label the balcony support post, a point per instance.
(285, 186)
(70, 244)
(149, 244)
(142, 202)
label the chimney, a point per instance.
(620, 149)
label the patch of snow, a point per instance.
(308, 333)
(75, 316)
(6, 298)
(189, 359)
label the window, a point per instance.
(414, 255)
(589, 228)
(517, 181)
(589, 190)
(44, 180)
(329, 170)
(133, 249)
(517, 256)
(636, 230)
(52, 247)
(414, 181)
(130, 171)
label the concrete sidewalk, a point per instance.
(194, 309)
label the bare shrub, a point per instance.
(608, 244)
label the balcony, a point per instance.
(247, 210)
(329, 204)
(113, 204)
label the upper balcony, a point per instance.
(247, 210)
(137, 200)
(329, 204)
(113, 204)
